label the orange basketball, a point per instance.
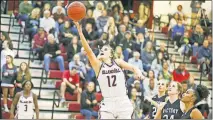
(76, 11)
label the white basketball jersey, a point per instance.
(25, 107)
(112, 81)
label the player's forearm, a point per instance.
(85, 43)
(37, 113)
(136, 70)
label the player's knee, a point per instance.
(63, 84)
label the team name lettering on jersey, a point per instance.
(170, 110)
(23, 101)
(111, 71)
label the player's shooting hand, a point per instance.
(78, 26)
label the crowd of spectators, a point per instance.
(48, 27)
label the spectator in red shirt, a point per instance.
(181, 74)
(38, 42)
(70, 84)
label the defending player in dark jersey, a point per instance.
(160, 97)
(173, 108)
(190, 98)
(25, 101)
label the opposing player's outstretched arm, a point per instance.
(129, 67)
(95, 63)
(35, 100)
(15, 101)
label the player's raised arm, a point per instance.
(35, 100)
(15, 101)
(91, 56)
(129, 67)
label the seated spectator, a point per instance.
(116, 13)
(128, 46)
(150, 84)
(88, 19)
(126, 21)
(110, 23)
(204, 56)
(118, 53)
(47, 22)
(5, 36)
(177, 33)
(73, 48)
(147, 56)
(120, 37)
(32, 23)
(38, 43)
(80, 66)
(112, 3)
(135, 61)
(25, 9)
(52, 52)
(22, 75)
(171, 63)
(59, 4)
(157, 63)
(181, 74)
(9, 72)
(112, 35)
(140, 27)
(184, 45)
(66, 33)
(164, 51)
(173, 23)
(98, 10)
(59, 17)
(83, 56)
(144, 10)
(197, 37)
(180, 12)
(47, 6)
(165, 73)
(6, 51)
(101, 21)
(139, 42)
(89, 33)
(209, 38)
(70, 84)
(136, 102)
(88, 101)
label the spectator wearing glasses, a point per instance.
(52, 52)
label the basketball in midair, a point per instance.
(76, 11)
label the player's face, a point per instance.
(105, 53)
(161, 86)
(28, 86)
(23, 66)
(187, 96)
(173, 88)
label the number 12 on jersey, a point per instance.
(111, 80)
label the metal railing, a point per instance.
(56, 102)
(43, 81)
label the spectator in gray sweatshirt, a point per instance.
(101, 22)
(147, 56)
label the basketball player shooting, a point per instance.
(25, 102)
(109, 73)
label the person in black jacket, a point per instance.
(88, 101)
(51, 51)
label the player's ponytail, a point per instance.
(201, 92)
